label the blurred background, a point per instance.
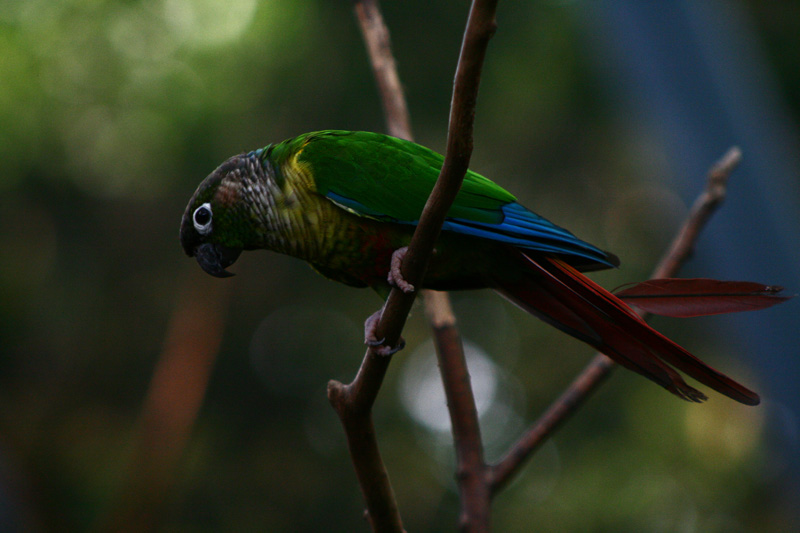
(138, 393)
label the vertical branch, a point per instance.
(353, 402)
(384, 68)
(452, 363)
(471, 467)
(600, 366)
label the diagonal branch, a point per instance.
(471, 467)
(353, 402)
(480, 28)
(600, 366)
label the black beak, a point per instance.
(215, 258)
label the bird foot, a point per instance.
(377, 345)
(395, 277)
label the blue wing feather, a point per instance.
(525, 229)
(519, 227)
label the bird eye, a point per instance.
(202, 218)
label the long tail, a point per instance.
(563, 297)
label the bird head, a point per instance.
(220, 220)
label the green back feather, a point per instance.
(383, 177)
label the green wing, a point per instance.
(389, 179)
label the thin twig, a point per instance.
(379, 47)
(595, 372)
(705, 206)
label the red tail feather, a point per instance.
(687, 297)
(563, 297)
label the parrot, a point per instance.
(348, 203)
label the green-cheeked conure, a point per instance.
(347, 201)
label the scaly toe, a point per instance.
(371, 339)
(395, 277)
(370, 326)
(386, 351)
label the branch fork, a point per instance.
(478, 482)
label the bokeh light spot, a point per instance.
(724, 432)
(206, 23)
(421, 388)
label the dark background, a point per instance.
(602, 116)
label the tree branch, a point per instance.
(480, 27)
(600, 366)
(471, 467)
(379, 47)
(353, 402)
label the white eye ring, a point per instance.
(202, 219)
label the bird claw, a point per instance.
(395, 277)
(377, 345)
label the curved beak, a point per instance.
(215, 258)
